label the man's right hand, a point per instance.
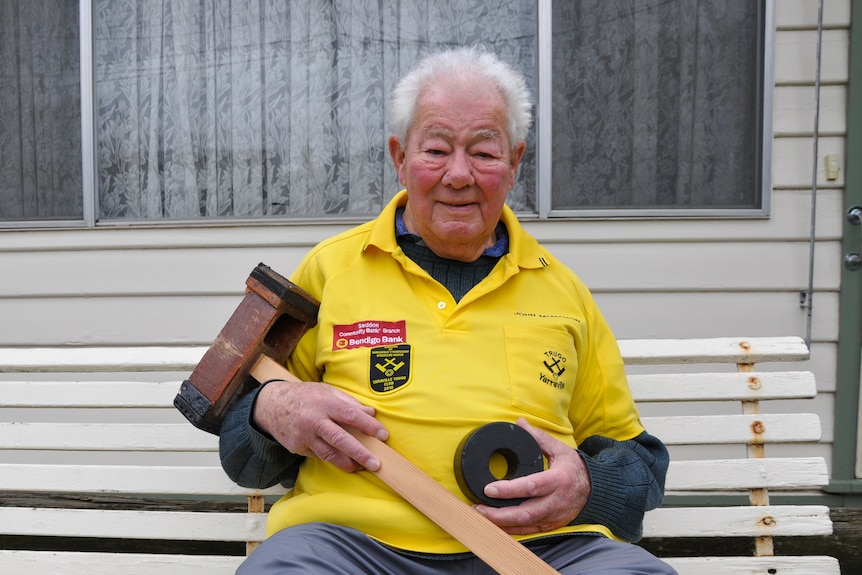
(310, 419)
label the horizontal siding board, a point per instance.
(705, 314)
(793, 110)
(803, 14)
(791, 157)
(191, 320)
(795, 56)
(724, 266)
(790, 219)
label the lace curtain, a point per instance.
(40, 111)
(269, 107)
(238, 108)
(656, 104)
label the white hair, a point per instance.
(469, 62)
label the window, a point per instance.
(274, 109)
(40, 111)
(656, 105)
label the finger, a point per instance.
(548, 444)
(343, 443)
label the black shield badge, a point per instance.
(390, 367)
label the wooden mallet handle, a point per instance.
(487, 541)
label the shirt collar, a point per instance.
(499, 249)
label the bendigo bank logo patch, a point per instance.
(390, 367)
(368, 334)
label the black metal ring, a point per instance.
(473, 457)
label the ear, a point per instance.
(515, 161)
(396, 152)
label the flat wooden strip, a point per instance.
(106, 437)
(743, 521)
(734, 386)
(732, 429)
(88, 394)
(713, 350)
(72, 563)
(124, 479)
(773, 473)
(99, 359)
(168, 525)
(75, 563)
(801, 565)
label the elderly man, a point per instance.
(476, 322)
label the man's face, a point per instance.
(457, 166)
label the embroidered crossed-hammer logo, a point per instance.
(555, 367)
(389, 367)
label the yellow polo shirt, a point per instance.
(528, 341)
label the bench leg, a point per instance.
(255, 505)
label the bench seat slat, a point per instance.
(784, 565)
(713, 350)
(730, 474)
(124, 479)
(732, 429)
(76, 563)
(734, 386)
(741, 521)
(127, 524)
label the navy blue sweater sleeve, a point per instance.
(627, 481)
(250, 457)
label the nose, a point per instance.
(459, 171)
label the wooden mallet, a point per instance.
(244, 350)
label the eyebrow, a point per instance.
(484, 134)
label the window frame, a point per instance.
(543, 125)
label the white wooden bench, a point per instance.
(91, 439)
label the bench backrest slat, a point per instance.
(160, 437)
(713, 350)
(128, 461)
(185, 358)
(735, 474)
(734, 386)
(729, 429)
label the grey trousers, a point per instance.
(321, 548)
